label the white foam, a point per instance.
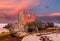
(57, 24)
(2, 25)
(3, 29)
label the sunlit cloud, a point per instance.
(51, 14)
(55, 14)
(10, 8)
(15, 5)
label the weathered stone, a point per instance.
(17, 31)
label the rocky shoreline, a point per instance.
(44, 33)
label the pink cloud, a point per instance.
(51, 14)
(14, 6)
(39, 15)
(25, 4)
(17, 5)
(55, 14)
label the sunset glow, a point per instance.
(9, 8)
(55, 14)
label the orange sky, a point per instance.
(15, 5)
(10, 8)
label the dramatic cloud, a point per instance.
(10, 8)
(13, 6)
(18, 4)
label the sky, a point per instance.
(9, 8)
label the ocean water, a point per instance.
(57, 24)
(2, 25)
(3, 29)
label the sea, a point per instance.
(57, 24)
(2, 25)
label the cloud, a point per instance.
(26, 4)
(10, 8)
(55, 14)
(8, 18)
(50, 14)
(18, 4)
(13, 6)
